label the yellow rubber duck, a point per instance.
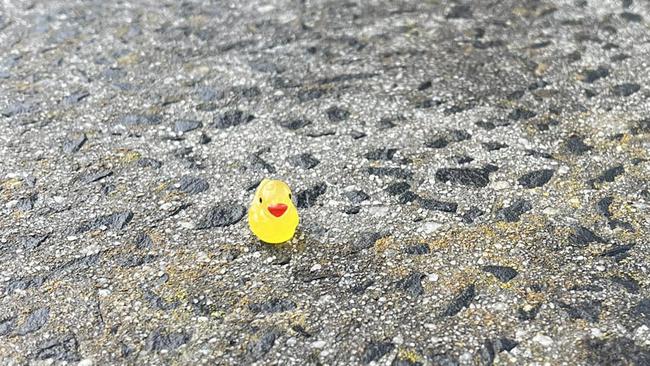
(272, 216)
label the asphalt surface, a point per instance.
(472, 180)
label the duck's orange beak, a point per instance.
(277, 209)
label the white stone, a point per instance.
(595, 332)
(542, 339)
(642, 334)
(186, 225)
(430, 227)
(318, 344)
(501, 184)
(103, 292)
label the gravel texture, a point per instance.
(472, 178)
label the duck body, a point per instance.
(272, 216)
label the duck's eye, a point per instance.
(289, 195)
(260, 199)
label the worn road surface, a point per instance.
(472, 178)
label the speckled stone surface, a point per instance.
(472, 178)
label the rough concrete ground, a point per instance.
(472, 179)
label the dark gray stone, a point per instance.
(32, 242)
(149, 163)
(336, 114)
(642, 126)
(519, 114)
(7, 325)
(131, 261)
(631, 17)
(74, 142)
(304, 161)
(503, 273)
(641, 311)
(412, 284)
(186, 125)
(380, 154)
(536, 178)
(487, 353)
(357, 134)
(442, 359)
(390, 172)
(589, 310)
(308, 197)
(514, 211)
(493, 146)
(35, 321)
(140, 120)
(435, 205)
(417, 249)
(91, 177)
(62, 349)
(486, 125)
(407, 197)
(505, 344)
(115, 221)
(208, 94)
(72, 266)
(616, 351)
(462, 300)
(630, 284)
(160, 340)
(356, 196)
(437, 142)
(425, 85)
(472, 214)
(367, 240)
(375, 351)
(609, 175)
(27, 203)
(193, 185)
(310, 94)
(295, 124)
(232, 118)
(472, 177)
(158, 302)
(582, 236)
(75, 97)
(603, 206)
(625, 89)
(442, 140)
(618, 252)
(274, 305)
(576, 146)
(260, 347)
(352, 210)
(18, 109)
(591, 75)
(204, 139)
(395, 189)
(223, 214)
(143, 241)
(460, 11)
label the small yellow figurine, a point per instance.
(272, 216)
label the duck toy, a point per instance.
(272, 216)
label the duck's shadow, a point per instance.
(282, 251)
